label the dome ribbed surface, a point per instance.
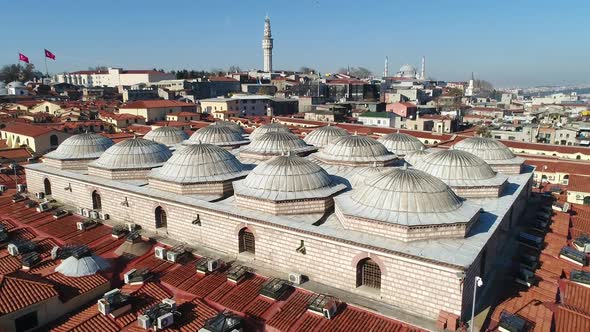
(82, 146)
(323, 136)
(401, 144)
(217, 135)
(286, 178)
(277, 143)
(200, 163)
(270, 127)
(488, 149)
(166, 135)
(133, 153)
(415, 157)
(406, 190)
(454, 166)
(355, 148)
(80, 267)
(232, 125)
(360, 177)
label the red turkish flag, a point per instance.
(23, 58)
(49, 55)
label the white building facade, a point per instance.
(112, 77)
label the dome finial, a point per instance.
(134, 135)
(398, 131)
(355, 133)
(422, 148)
(405, 165)
(374, 164)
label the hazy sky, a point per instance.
(508, 42)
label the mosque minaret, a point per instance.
(267, 46)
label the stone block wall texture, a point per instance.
(308, 206)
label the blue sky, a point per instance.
(508, 42)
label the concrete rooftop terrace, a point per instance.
(454, 252)
(198, 296)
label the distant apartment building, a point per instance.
(405, 110)
(156, 110)
(133, 94)
(39, 139)
(351, 89)
(493, 112)
(379, 119)
(556, 98)
(250, 105)
(112, 77)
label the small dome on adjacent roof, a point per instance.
(220, 135)
(488, 149)
(287, 178)
(83, 266)
(270, 127)
(133, 153)
(200, 163)
(406, 190)
(401, 144)
(277, 143)
(82, 146)
(455, 167)
(360, 177)
(166, 135)
(232, 125)
(355, 149)
(415, 157)
(323, 136)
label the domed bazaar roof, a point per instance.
(459, 168)
(82, 146)
(133, 153)
(83, 266)
(355, 148)
(276, 143)
(414, 157)
(270, 127)
(167, 135)
(288, 178)
(200, 163)
(401, 144)
(218, 135)
(407, 197)
(232, 125)
(488, 149)
(360, 176)
(324, 135)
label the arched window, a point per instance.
(47, 186)
(96, 202)
(587, 200)
(566, 177)
(53, 140)
(578, 157)
(247, 243)
(161, 219)
(368, 274)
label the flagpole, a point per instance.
(46, 71)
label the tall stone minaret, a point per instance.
(267, 46)
(423, 71)
(386, 70)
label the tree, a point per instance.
(359, 72)
(234, 69)
(483, 131)
(16, 72)
(307, 70)
(455, 92)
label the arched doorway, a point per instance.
(247, 243)
(161, 218)
(47, 187)
(368, 274)
(587, 200)
(96, 201)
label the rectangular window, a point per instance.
(26, 322)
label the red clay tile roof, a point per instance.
(156, 104)
(550, 148)
(579, 183)
(20, 290)
(16, 154)
(568, 319)
(222, 79)
(27, 130)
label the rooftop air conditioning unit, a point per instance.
(103, 216)
(128, 275)
(21, 187)
(172, 256)
(212, 265)
(130, 226)
(165, 320)
(296, 278)
(12, 249)
(565, 182)
(93, 214)
(43, 207)
(54, 252)
(59, 213)
(160, 252)
(170, 303)
(3, 188)
(79, 211)
(144, 321)
(40, 195)
(85, 224)
(104, 306)
(330, 310)
(86, 213)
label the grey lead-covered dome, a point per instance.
(218, 135)
(270, 127)
(277, 143)
(355, 149)
(229, 124)
(323, 136)
(83, 266)
(360, 177)
(166, 135)
(80, 147)
(200, 163)
(487, 149)
(133, 153)
(459, 168)
(415, 157)
(287, 178)
(401, 144)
